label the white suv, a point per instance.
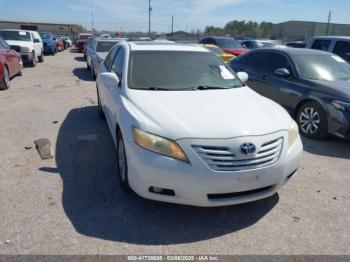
(187, 130)
(28, 43)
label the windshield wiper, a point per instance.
(210, 87)
(153, 88)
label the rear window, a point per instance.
(321, 45)
(105, 46)
(15, 35)
(81, 37)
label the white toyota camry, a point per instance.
(188, 130)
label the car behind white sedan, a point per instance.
(187, 130)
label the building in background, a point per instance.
(301, 31)
(71, 30)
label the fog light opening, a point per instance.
(162, 191)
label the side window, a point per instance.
(3, 44)
(117, 66)
(275, 61)
(321, 45)
(342, 49)
(110, 57)
(256, 61)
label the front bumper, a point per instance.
(339, 123)
(26, 57)
(196, 184)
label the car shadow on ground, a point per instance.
(95, 205)
(79, 58)
(331, 147)
(83, 74)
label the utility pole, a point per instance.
(149, 18)
(172, 26)
(92, 16)
(329, 21)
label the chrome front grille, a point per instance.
(221, 158)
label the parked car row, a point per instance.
(18, 47)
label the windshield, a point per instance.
(322, 67)
(46, 35)
(82, 37)
(215, 50)
(105, 46)
(176, 70)
(228, 43)
(268, 44)
(15, 35)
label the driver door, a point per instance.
(113, 91)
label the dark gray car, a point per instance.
(314, 86)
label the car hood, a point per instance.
(337, 88)
(207, 114)
(102, 55)
(20, 43)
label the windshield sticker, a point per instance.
(338, 59)
(22, 33)
(225, 73)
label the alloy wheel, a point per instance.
(309, 120)
(7, 78)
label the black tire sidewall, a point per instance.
(3, 84)
(124, 184)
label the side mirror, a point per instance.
(283, 72)
(36, 40)
(109, 78)
(243, 76)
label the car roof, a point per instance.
(292, 51)
(164, 46)
(332, 37)
(98, 39)
(18, 30)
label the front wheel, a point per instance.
(5, 82)
(41, 57)
(93, 74)
(33, 61)
(20, 73)
(312, 120)
(99, 106)
(122, 164)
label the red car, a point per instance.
(81, 42)
(228, 44)
(10, 64)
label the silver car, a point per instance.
(98, 52)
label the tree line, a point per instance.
(241, 28)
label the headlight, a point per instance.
(25, 49)
(340, 105)
(158, 144)
(293, 134)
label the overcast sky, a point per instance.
(132, 15)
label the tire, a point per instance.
(99, 106)
(33, 62)
(87, 66)
(41, 57)
(312, 120)
(5, 82)
(122, 164)
(20, 73)
(93, 71)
